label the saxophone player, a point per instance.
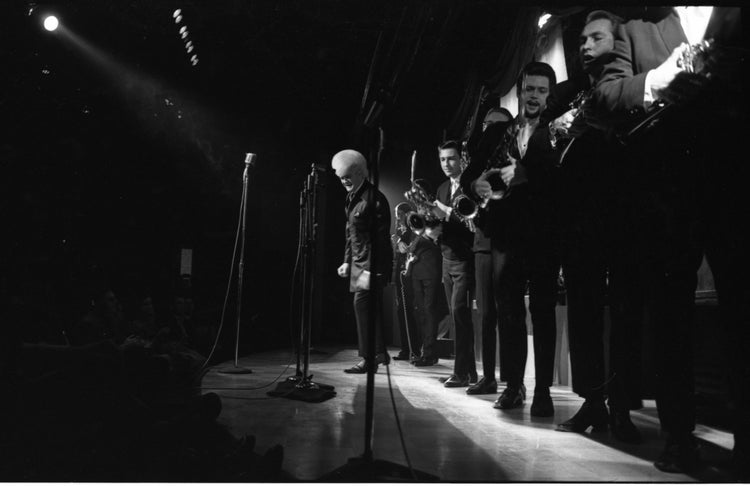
(458, 270)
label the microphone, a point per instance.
(250, 159)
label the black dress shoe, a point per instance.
(542, 405)
(382, 358)
(456, 381)
(680, 455)
(622, 427)
(485, 386)
(423, 361)
(591, 414)
(402, 356)
(473, 377)
(511, 397)
(359, 368)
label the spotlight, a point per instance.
(189, 44)
(189, 49)
(51, 23)
(177, 13)
(184, 35)
(178, 19)
(543, 19)
(183, 29)
(194, 58)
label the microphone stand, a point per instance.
(237, 369)
(365, 468)
(300, 386)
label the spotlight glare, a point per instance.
(51, 23)
(543, 19)
(183, 29)
(184, 34)
(189, 44)
(189, 49)
(178, 19)
(177, 13)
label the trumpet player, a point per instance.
(402, 240)
(458, 270)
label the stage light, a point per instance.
(51, 23)
(183, 29)
(184, 35)
(543, 19)
(189, 44)
(177, 13)
(189, 49)
(178, 19)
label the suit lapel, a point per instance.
(724, 24)
(671, 31)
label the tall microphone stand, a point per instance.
(237, 369)
(300, 386)
(366, 468)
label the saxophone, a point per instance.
(692, 60)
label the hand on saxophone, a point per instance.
(441, 211)
(481, 186)
(508, 172)
(343, 270)
(402, 247)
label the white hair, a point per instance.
(350, 158)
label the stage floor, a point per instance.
(448, 434)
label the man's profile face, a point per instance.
(450, 162)
(596, 39)
(350, 176)
(534, 92)
(494, 117)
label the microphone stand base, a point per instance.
(306, 390)
(235, 370)
(360, 469)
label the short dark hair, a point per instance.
(450, 144)
(500, 110)
(536, 68)
(606, 15)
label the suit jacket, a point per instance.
(642, 45)
(359, 214)
(456, 240)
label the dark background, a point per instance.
(116, 152)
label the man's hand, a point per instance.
(441, 210)
(343, 270)
(661, 76)
(481, 186)
(508, 172)
(402, 247)
(434, 232)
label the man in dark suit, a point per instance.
(597, 260)
(368, 223)
(689, 184)
(523, 246)
(455, 240)
(424, 267)
(496, 121)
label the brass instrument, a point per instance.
(500, 158)
(424, 203)
(692, 60)
(574, 115)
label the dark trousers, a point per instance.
(540, 269)
(487, 309)
(362, 314)
(600, 271)
(426, 294)
(407, 324)
(697, 205)
(521, 255)
(457, 276)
